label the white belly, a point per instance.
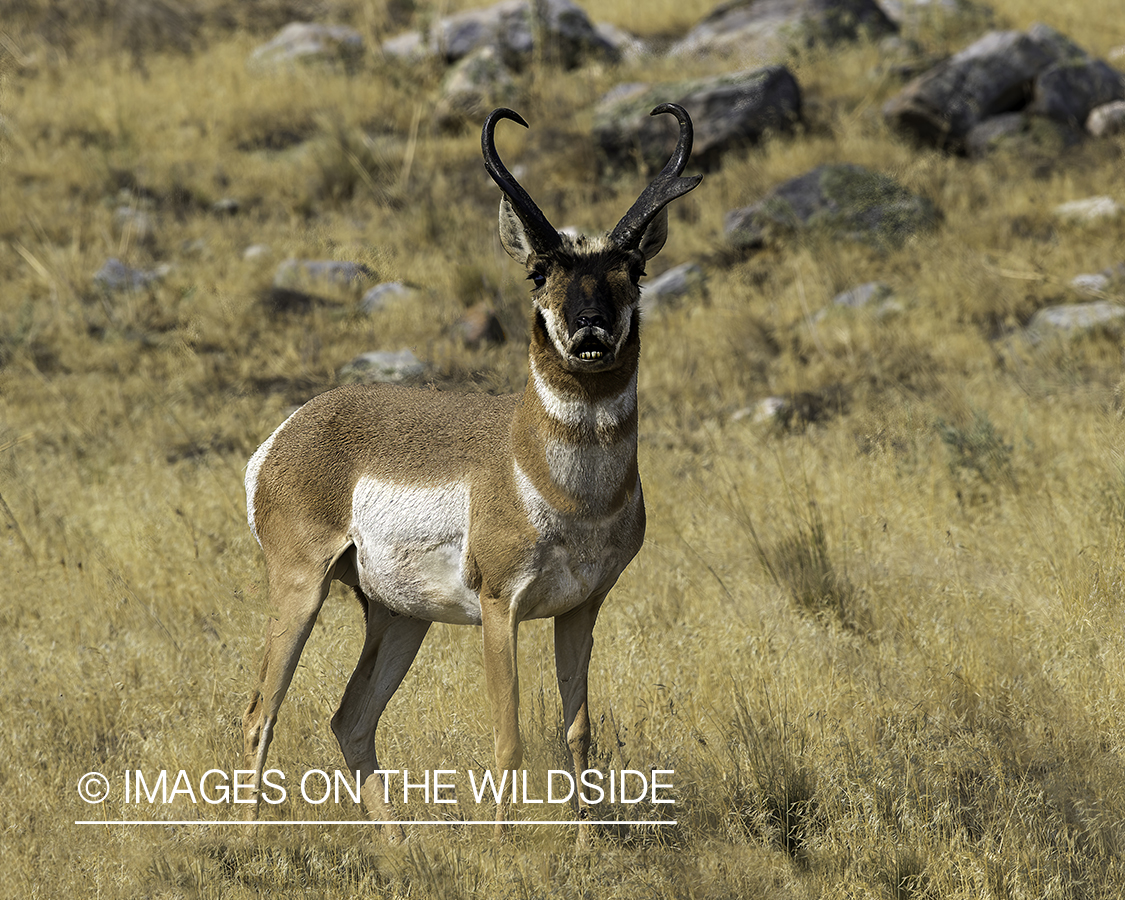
(410, 549)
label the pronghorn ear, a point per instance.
(655, 235)
(512, 233)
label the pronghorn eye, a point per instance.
(538, 279)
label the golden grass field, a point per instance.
(883, 652)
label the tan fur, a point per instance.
(463, 508)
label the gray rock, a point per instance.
(135, 225)
(114, 275)
(677, 282)
(1107, 120)
(909, 15)
(256, 251)
(1040, 72)
(295, 274)
(627, 45)
(1020, 135)
(756, 32)
(991, 76)
(729, 111)
(875, 298)
(383, 295)
(1109, 280)
(507, 27)
(986, 136)
(1069, 91)
(1089, 210)
(868, 294)
(300, 42)
(846, 201)
(477, 84)
(383, 366)
(1077, 319)
(1092, 283)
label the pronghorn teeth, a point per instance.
(591, 354)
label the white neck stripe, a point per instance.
(577, 413)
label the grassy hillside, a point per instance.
(881, 648)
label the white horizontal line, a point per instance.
(361, 822)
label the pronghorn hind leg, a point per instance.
(391, 644)
(574, 640)
(297, 601)
(501, 627)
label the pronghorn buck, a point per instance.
(465, 508)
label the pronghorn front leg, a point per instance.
(297, 599)
(574, 640)
(500, 627)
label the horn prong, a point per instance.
(540, 233)
(664, 188)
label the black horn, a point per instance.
(540, 233)
(665, 187)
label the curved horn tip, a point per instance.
(502, 112)
(674, 108)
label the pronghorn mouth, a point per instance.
(591, 350)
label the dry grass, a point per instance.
(882, 651)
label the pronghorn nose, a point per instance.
(591, 318)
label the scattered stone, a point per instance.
(1069, 91)
(628, 46)
(383, 295)
(114, 275)
(1088, 210)
(991, 76)
(797, 410)
(671, 285)
(1040, 72)
(771, 409)
(910, 14)
(480, 326)
(757, 32)
(299, 273)
(1020, 135)
(1092, 283)
(227, 206)
(1077, 319)
(1108, 119)
(383, 366)
(256, 251)
(875, 298)
(302, 42)
(728, 111)
(507, 27)
(988, 135)
(476, 85)
(847, 201)
(1100, 283)
(135, 226)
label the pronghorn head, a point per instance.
(586, 291)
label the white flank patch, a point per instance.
(253, 468)
(410, 549)
(577, 413)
